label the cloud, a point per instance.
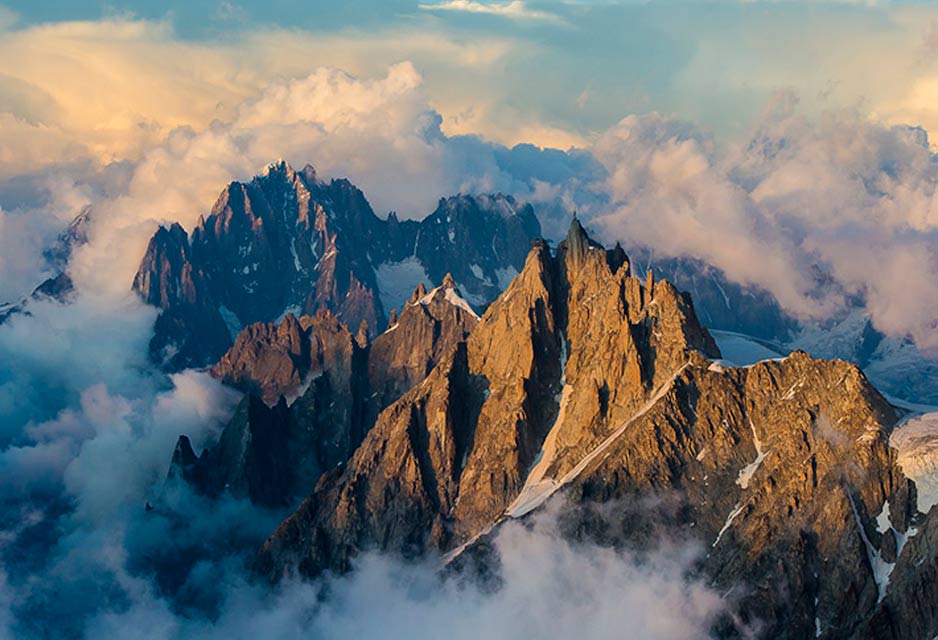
(46, 72)
(549, 588)
(516, 9)
(817, 212)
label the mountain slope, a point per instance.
(313, 391)
(583, 384)
(499, 393)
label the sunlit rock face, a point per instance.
(287, 242)
(584, 385)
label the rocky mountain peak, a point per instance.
(288, 242)
(418, 293)
(577, 243)
(582, 381)
(551, 370)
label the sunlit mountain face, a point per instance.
(477, 319)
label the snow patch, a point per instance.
(536, 487)
(746, 473)
(744, 350)
(881, 568)
(505, 276)
(545, 488)
(452, 297)
(791, 391)
(916, 441)
(296, 258)
(719, 366)
(729, 522)
(397, 281)
(883, 523)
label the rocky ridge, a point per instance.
(287, 242)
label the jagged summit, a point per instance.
(577, 241)
(577, 244)
(288, 242)
(556, 363)
(579, 381)
(285, 170)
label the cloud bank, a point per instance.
(823, 214)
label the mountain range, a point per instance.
(410, 387)
(287, 242)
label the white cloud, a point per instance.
(847, 195)
(112, 89)
(549, 588)
(516, 9)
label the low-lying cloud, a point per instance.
(548, 587)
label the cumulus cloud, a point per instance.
(111, 89)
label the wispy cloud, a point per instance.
(8, 17)
(515, 9)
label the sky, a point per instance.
(485, 64)
(789, 144)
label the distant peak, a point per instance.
(278, 166)
(448, 282)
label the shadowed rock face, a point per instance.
(313, 392)
(190, 324)
(780, 470)
(287, 242)
(583, 384)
